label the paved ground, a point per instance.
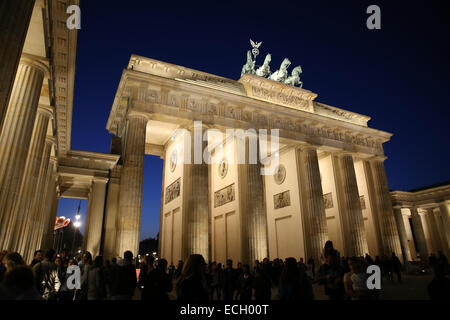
(413, 287)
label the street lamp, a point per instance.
(76, 224)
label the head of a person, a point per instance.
(229, 263)
(150, 260)
(194, 266)
(50, 254)
(58, 261)
(162, 265)
(301, 260)
(246, 268)
(354, 265)
(64, 253)
(114, 260)
(98, 261)
(86, 257)
(3, 254)
(13, 260)
(38, 255)
(290, 270)
(72, 262)
(18, 280)
(128, 255)
(239, 265)
(329, 245)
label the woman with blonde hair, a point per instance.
(192, 283)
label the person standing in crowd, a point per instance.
(86, 265)
(262, 286)
(179, 269)
(96, 279)
(442, 259)
(396, 267)
(18, 282)
(146, 267)
(312, 267)
(191, 284)
(157, 284)
(65, 293)
(127, 281)
(60, 268)
(2, 265)
(36, 258)
(331, 274)
(245, 283)
(355, 281)
(439, 287)
(216, 281)
(229, 281)
(46, 276)
(294, 284)
(113, 278)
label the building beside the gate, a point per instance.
(329, 181)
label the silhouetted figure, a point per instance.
(262, 286)
(294, 284)
(439, 288)
(46, 276)
(127, 278)
(396, 267)
(38, 256)
(229, 281)
(157, 284)
(312, 266)
(96, 280)
(245, 283)
(19, 284)
(191, 285)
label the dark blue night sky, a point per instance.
(398, 75)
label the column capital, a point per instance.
(377, 158)
(138, 114)
(50, 140)
(100, 180)
(36, 62)
(45, 110)
(422, 211)
(305, 147)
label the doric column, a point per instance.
(349, 205)
(16, 136)
(131, 182)
(87, 222)
(96, 216)
(112, 202)
(48, 203)
(21, 228)
(419, 234)
(406, 214)
(435, 238)
(195, 199)
(49, 237)
(444, 209)
(388, 228)
(374, 206)
(14, 21)
(311, 195)
(35, 220)
(402, 233)
(423, 213)
(254, 219)
(441, 236)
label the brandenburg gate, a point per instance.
(330, 181)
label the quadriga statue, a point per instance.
(294, 79)
(281, 74)
(249, 67)
(264, 70)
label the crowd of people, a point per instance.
(50, 276)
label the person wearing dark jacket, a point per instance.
(262, 286)
(245, 283)
(229, 281)
(294, 284)
(127, 278)
(96, 280)
(46, 276)
(191, 285)
(157, 284)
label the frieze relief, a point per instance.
(282, 200)
(172, 191)
(219, 108)
(223, 196)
